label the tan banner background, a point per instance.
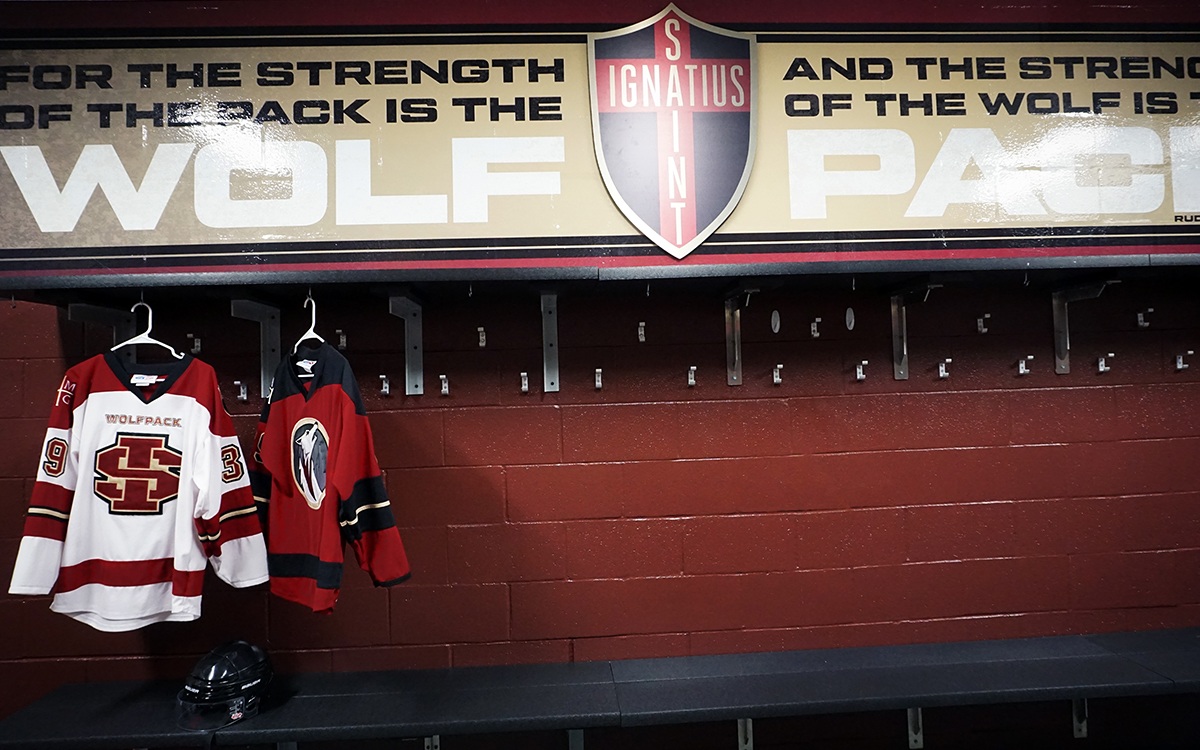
(1041, 151)
(406, 158)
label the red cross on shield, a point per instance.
(673, 118)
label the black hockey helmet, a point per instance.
(224, 686)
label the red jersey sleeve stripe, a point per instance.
(240, 526)
(46, 526)
(52, 497)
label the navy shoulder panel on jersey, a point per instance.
(328, 367)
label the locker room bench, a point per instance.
(424, 703)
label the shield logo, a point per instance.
(673, 119)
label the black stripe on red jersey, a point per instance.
(260, 485)
(367, 509)
(328, 575)
(394, 581)
(331, 369)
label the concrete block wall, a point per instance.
(653, 519)
(650, 518)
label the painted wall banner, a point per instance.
(202, 159)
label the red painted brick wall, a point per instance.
(653, 519)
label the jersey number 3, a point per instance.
(138, 473)
(231, 464)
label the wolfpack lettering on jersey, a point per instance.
(318, 484)
(139, 487)
(673, 119)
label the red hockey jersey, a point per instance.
(318, 483)
(141, 482)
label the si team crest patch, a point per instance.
(673, 119)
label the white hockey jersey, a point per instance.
(141, 482)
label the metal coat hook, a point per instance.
(735, 300)
(243, 391)
(524, 382)
(777, 375)
(195, 344)
(1180, 365)
(642, 332)
(900, 300)
(1059, 302)
(599, 382)
(482, 337)
(812, 329)
(550, 372)
(123, 323)
(1104, 367)
(944, 368)
(691, 376)
(981, 323)
(1142, 322)
(341, 345)
(409, 310)
(858, 371)
(1022, 367)
(270, 346)
(385, 385)
(733, 340)
(445, 385)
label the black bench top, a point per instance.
(101, 715)
(365, 705)
(709, 688)
(474, 700)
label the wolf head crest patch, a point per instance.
(310, 456)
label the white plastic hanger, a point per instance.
(311, 333)
(144, 336)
